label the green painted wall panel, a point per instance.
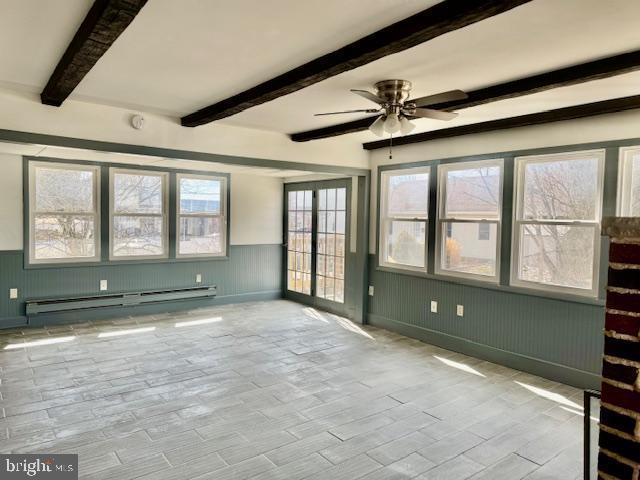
(249, 269)
(555, 331)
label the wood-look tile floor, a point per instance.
(276, 390)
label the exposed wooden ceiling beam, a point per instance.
(104, 23)
(567, 113)
(444, 17)
(585, 72)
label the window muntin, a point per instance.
(201, 216)
(629, 182)
(404, 212)
(556, 231)
(469, 219)
(138, 223)
(64, 213)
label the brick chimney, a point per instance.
(619, 456)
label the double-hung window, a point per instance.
(629, 182)
(469, 218)
(201, 215)
(64, 213)
(404, 211)
(138, 223)
(558, 209)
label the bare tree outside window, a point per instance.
(138, 223)
(63, 212)
(558, 219)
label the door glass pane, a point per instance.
(299, 241)
(332, 222)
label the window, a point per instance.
(202, 225)
(629, 184)
(484, 231)
(138, 214)
(556, 243)
(64, 219)
(470, 200)
(404, 204)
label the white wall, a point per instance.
(10, 202)
(616, 126)
(24, 112)
(256, 207)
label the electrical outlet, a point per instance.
(198, 278)
(13, 293)
(371, 290)
(460, 310)
(434, 306)
(103, 285)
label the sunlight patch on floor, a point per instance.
(351, 327)
(204, 321)
(39, 343)
(460, 366)
(577, 412)
(132, 331)
(315, 314)
(554, 397)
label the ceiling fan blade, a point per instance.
(365, 110)
(431, 113)
(439, 98)
(368, 95)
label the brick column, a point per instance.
(619, 456)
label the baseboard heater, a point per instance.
(37, 306)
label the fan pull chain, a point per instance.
(391, 146)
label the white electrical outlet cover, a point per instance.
(434, 306)
(103, 285)
(13, 293)
(371, 290)
(198, 278)
(460, 310)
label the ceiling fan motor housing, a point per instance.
(393, 92)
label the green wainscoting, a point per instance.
(252, 272)
(558, 339)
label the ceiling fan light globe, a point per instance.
(377, 127)
(392, 123)
(406, 126)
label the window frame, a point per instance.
(384, 219)
(32, 213)
(442, 218)
(223, 215)
(625, 172)
(518, 210)
(164, 175)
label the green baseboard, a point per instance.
(552, 371)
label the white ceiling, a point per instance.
(177, 57)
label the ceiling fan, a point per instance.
(392, 96)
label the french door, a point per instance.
(316, 241)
